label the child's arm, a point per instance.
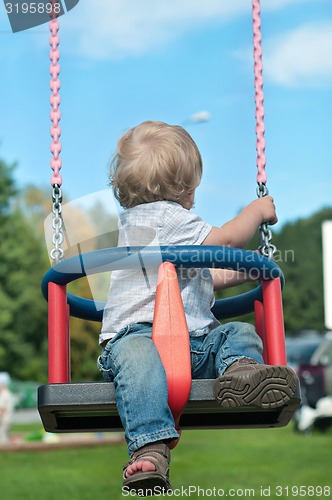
(226, 278)
(239, 231)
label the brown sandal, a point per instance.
(248, 383)
(152, 482)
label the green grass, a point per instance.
(244, 460)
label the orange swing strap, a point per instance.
(171, 337)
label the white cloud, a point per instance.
(301, 57)
(111, 29)
(297, 58)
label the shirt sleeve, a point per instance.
(182, 227)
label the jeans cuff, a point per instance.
(152, 438)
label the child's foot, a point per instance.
(140, 466)
(147, 472)
(248, 383)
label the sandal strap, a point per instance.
(158, 454)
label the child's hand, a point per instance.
(239, 231)
(267, 209)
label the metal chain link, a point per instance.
(266, 247)
(259, 93)
(57, 253)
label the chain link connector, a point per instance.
(57, 253)
(266, 247)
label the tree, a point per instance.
(7, 188)
(300, 243)
(23, 316)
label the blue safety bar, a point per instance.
(191, 256)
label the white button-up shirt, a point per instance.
(132, 292)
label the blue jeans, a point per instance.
(131, 360)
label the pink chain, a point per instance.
(259, 95)
(55, 114)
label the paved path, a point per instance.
(27, 416)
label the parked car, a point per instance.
(300, 349)
(311, 358)
(323, 357)
(316, 374)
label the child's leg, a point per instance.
(214, 352)
(247, 381)
(233, 353)
(141, 387)
(239, 340)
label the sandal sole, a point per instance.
(269, 388)
(147, 484)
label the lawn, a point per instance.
(261, 463)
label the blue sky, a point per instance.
(126, 62)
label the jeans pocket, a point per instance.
(104, 366)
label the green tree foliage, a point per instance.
(300, 252)
(23, 317)
(7, 188)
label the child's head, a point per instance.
(156, 161)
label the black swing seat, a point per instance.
(91, 407)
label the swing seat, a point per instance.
(91, 406)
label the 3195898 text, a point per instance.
(33, 8)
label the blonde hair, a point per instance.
(155, 161)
